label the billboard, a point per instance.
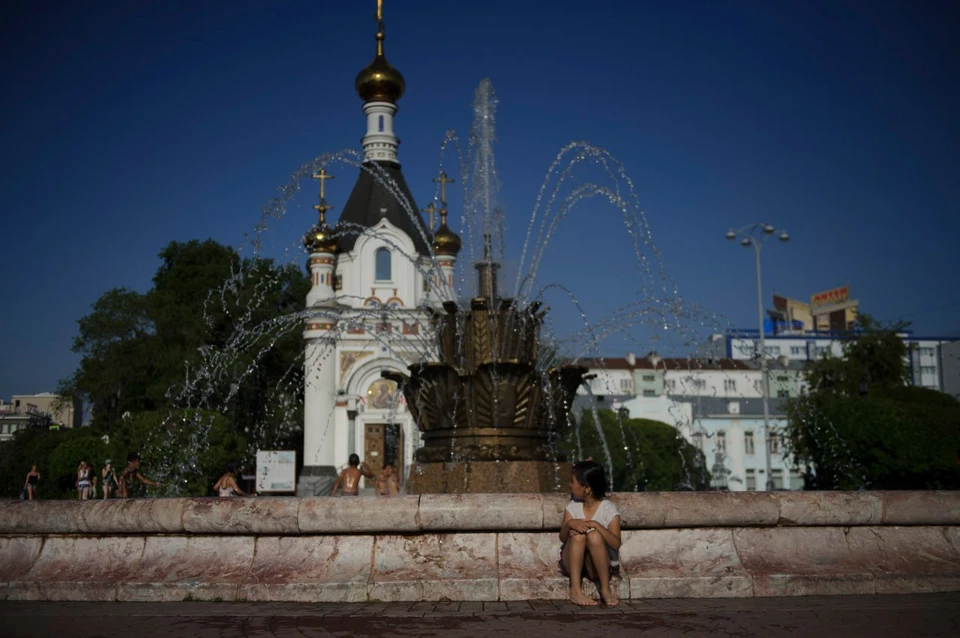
(832, 296)
(276, 471)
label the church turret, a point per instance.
(319, 334)
(380, 86)
(446, 245)
(321, 243)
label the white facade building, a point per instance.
(372, 277)
(716, 404)
(924, 353)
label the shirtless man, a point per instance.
(130, 474)
(387, 482)
(350, 478)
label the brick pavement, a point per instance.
(873, 616)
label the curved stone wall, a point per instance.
(474, 547)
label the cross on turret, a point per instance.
(323, 176)
(430, 210)
(443, 180)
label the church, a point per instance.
(374, 275)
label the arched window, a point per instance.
(383, 264)
(381, 124)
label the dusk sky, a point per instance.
(130, 124)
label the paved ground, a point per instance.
(846, 616)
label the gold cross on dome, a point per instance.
(379, 9)
(443, 180)
(430, 210)
(323, 176)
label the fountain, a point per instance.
(489, 418)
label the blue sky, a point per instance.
(130, 124)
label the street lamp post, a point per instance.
(755, 235)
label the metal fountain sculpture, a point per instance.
(489, 418)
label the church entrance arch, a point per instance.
(384, 428)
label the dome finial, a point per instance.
(445, 241)
(321, 237)
(380, 82)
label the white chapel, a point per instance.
(373, 278)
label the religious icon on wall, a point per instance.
(381, 394)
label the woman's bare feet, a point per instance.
(609, 599)
(582, 599)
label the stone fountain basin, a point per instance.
(475, 547)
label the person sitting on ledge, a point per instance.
(590, 535)
(350, 478)
(130, 474)
(227, 486)
(386, 484)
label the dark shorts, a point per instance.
(614, 566)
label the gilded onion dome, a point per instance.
(445, 241)
(321, 238)
(380, 82)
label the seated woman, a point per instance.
(590, 535)
(226, 485)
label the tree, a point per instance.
(860, 426)
(214, 345)
(646, 455)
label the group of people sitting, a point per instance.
(348, 482)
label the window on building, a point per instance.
(928, 370)
(698, 440)
(649, 393)
(722, 442)
(772, 350)
(671, 385)
(797, 351)
(626, 386)
(383, 264)
(774, 443)
(748, 445)
(730, 385)
(648, 377)
(380, 125)
(776, 477)
(927, 352)
(751, 480)
(783, 394)
(699, 384)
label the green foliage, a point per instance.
(29, 447)
(206, 311)
(646, 455)
(188, 450)
(861, 427)
(874, 357)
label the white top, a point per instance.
(606, 512)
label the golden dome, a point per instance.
(380, 82)
(321, 238)
(445, 241)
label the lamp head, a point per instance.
(784, 236)
(745, 241)
(731, 234)
(768, 229)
